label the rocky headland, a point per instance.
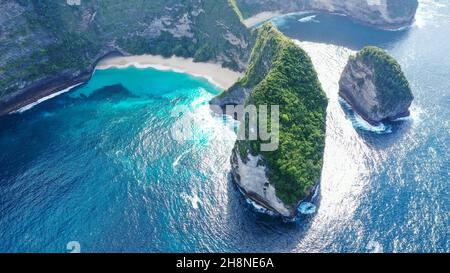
(280, 73)
(375, 86)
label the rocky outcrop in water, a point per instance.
(375, 86)
(379, 13)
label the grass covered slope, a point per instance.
(281, 73)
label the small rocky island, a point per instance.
(375, 86)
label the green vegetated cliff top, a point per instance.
(283, 74)
(389, 79)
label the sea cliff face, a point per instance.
(375, 86)
(49, 45)
(280, 73)
(379, 13)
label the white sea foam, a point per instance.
(256, 206)
(307, 19)
(177, 160)
(194, 199)
(161, 68)
(398, 29)
(212, 72)
(415, 116)
(374, 247)
(307, 208)
(360, 123)
(31, 105)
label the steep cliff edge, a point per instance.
(49, 45)
(375, 86)
(280, 73)
(379, 13)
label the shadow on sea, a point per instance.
(42, 114)
(269, 233)
(336, 29)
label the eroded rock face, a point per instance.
(374, 85)
(42, 51)
(251, 176)
(279, 73)
(380, 13)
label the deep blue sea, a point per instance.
(99, 164)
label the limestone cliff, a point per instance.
(379, 13)
(375, 86)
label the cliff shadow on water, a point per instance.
(343, 31)
(336, 29)
(272, 233)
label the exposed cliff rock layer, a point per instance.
(47, 45)
(280, 73)
(374, 84)
(380, 13)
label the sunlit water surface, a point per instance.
(99, 165)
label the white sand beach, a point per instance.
(260, 18)
(214, 73)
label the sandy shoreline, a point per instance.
(215, 73)
(260, 18)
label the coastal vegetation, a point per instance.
(281, 73)
(390, 81)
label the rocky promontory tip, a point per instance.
(375, 86)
